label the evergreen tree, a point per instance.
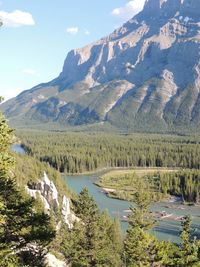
(24, 233)
(140, 247)
(188, 251)
(142, 198)
(116, 236)
(92, 241)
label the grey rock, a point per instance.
(143, 76)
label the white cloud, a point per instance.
(72, 30)
(129, 10)
(86, 32)
(16, 18)
(30, 72)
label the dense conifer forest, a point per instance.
(95, 240)
(164, 182)
(83, 152)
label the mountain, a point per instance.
(145, 76)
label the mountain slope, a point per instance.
(145, 76)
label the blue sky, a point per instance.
(38, 34)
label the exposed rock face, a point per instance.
(47, 191)
(52, 261)
(144, 76)
(69, 216)
(34, 193)
(49, 196)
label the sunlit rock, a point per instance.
(69, 216)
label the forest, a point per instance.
(85, 152)
(95, 240)
(183, 183)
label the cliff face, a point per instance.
(48, 194)
(144, 76)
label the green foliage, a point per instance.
(5, 141)
(163, 182)
(95, 240)
(125, 183)
(24, 233)
(142, 198)
(184, 183)
(29, 170)
(141, 248)
(81, 152)
(189, 249)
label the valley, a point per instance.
(167, 228)
(100, 162)
(118, 181)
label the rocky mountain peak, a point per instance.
(147, 71)
(166, 19)
(169, 8)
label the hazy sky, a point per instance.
(38, 34)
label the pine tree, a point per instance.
(5, 163)
(92, 241)
(116, 236)
(142, 199)
(24, 233)
(140, 247)
(189, 249)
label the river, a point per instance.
(165, 229)
(18, 149)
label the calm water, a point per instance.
(18, 149)
(164, 230)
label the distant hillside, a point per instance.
(145, 76)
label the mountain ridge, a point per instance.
(145, 76)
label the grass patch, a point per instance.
(123, 182)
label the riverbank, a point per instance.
(124, 170)
(167, 228)
(120, 184)
(97, 171)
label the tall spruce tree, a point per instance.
(93, 241)
(24, 233)
(188, 252)
(140, 247)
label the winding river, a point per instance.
(165, 229)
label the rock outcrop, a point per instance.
(52, 261)
(69, 216)
(48, 193)
(144, 76)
